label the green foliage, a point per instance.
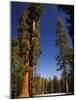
(37, 9)
(46, 86)
(55, 85)
(36, 85)
(61, 43)
(18, 68)
(64, 57)
(62, 84)
(49, 87)
(24, 49)
(69, 10)
(14, 75)
(25, 19)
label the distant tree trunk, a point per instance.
(66, 82)
(66, 86)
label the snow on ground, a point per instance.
(53, 94)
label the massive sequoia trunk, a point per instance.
(24, 86)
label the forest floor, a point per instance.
(53, 94)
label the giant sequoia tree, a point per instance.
(29, 41)
(26, 51)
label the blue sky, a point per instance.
(47, 64)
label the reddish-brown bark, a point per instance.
(24, 87)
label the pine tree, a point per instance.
(62, 44)
(49, 87)
(46, 86)
(70, 60)
(42, 85)
(55, 84)
(62, 84)
(37, 85)
(69, 10)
